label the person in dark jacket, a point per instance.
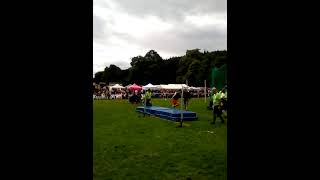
(186, 98)
(217, 106)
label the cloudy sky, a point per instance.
(123, 29)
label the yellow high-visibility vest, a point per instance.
(148, 95)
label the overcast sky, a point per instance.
(123, 29)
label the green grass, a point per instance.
(129, 146)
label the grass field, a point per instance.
(128, 146)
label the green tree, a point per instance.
(194, 66)
(99, 77)
(152, 55)
(193, 74)
(113, 73)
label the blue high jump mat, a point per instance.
(168, 113)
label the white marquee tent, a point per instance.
(116, 86)
(194, 88)
(174, 86)
(149, 86)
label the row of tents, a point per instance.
(134, 87)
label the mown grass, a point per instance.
(129, 146)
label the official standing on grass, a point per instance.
(225, 94)
(217, 110)
(186, 98)
(223, 100)
(135, 99)
(222, 95)
(148, 98)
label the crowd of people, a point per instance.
(105, 93)
(217, 99)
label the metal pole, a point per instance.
(144, 110)
(205, 91)
(181, 119)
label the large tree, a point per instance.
(113, 73)
(194, 66)
(99, 77)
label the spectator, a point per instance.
(127, 94)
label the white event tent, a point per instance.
(116, 86)
(149, 86)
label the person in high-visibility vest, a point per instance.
(210, 99)
(217, 111)
(148, 98)
(222, 93)
(226, 92)
(223, 101)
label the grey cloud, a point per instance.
(98, 27)
(124, 36)
(177, 40)
(171, 9)
(122, 64)
(182, 37)
(102, 3)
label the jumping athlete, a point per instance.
(175, 98)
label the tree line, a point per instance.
(195, 66)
